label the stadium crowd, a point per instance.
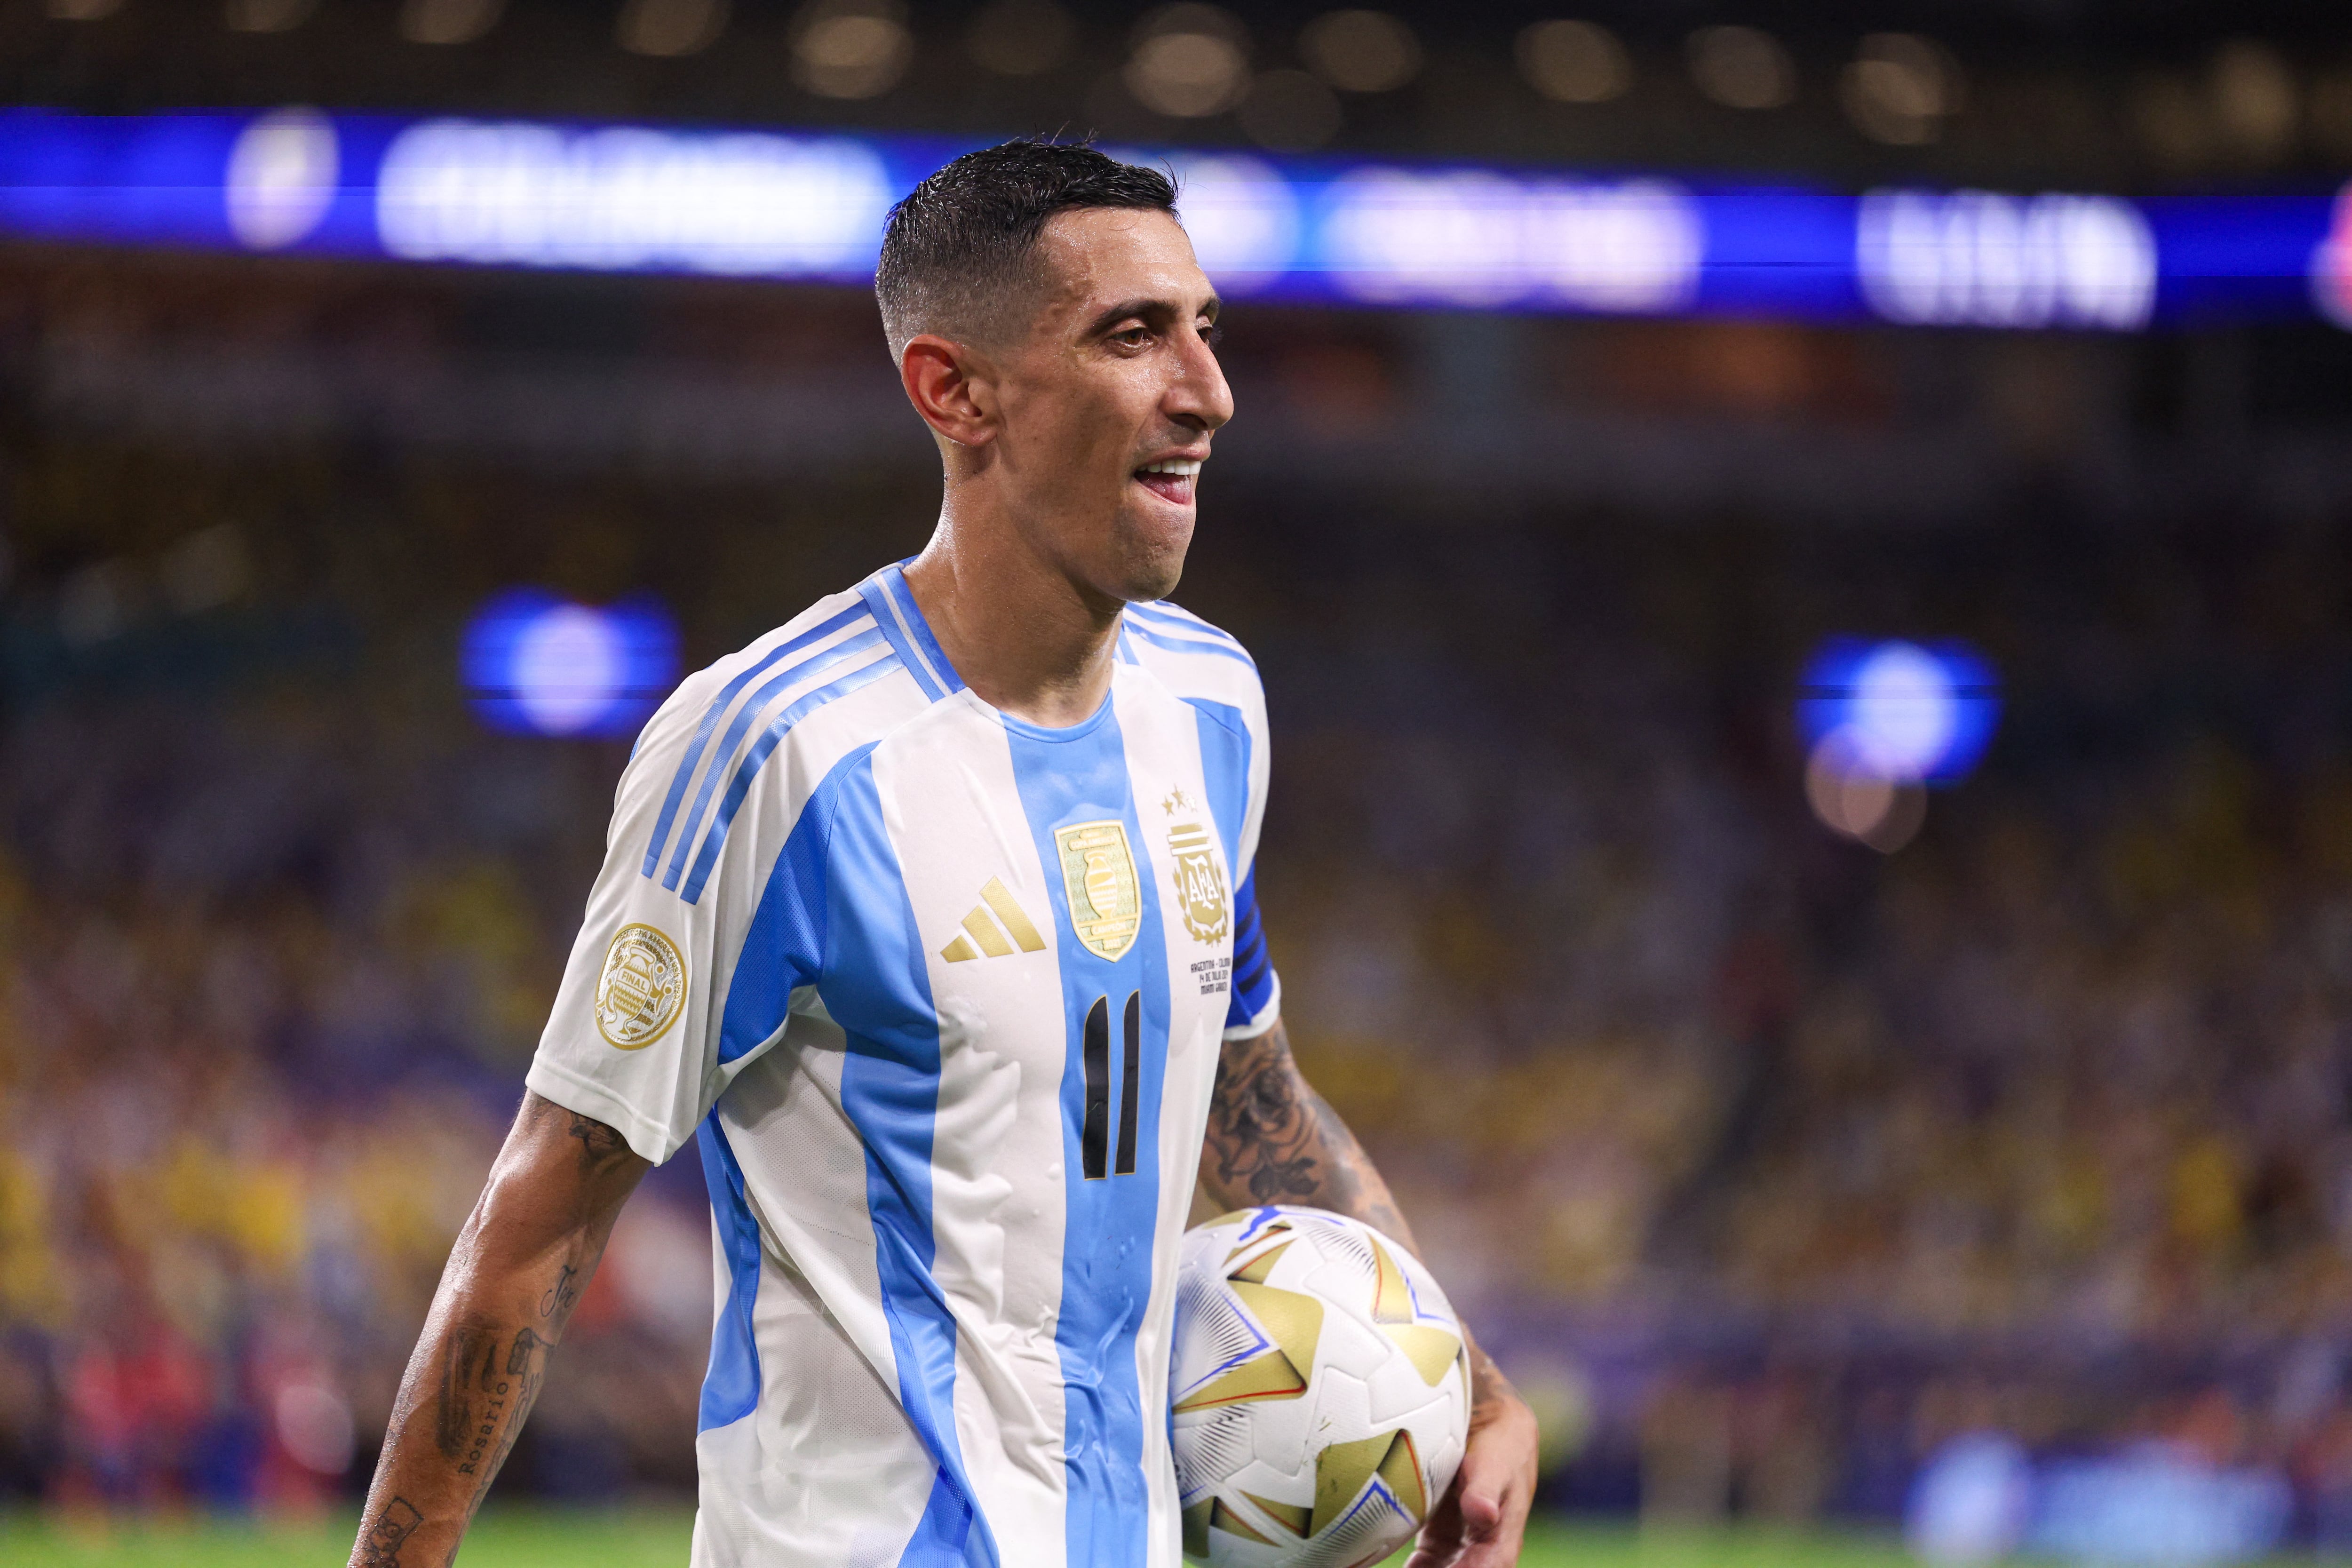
(1776, 1162)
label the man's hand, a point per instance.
(1479, 1522)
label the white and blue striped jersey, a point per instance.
(940, 995)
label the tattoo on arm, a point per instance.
(485, 1394)
(1489, 1389)
(513, 1282)
(1272, 1139)
(380, 1547)
(598, 1142)
(561, 1295)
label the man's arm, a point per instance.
(513, 1278)
(1272, 1140)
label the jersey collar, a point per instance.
(893, 602)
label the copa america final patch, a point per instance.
(642, 989)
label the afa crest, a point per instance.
(1098, 874)
(1199, 884)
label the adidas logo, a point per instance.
(982, 937)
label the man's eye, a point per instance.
(1134, 337)
(1214, 335)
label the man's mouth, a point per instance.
(1170, 478)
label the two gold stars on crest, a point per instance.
(1176, 800)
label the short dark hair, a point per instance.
(958, 248)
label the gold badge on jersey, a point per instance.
(642, 989)
(1098, 873)
(1200, 885)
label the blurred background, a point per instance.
(1811, 828)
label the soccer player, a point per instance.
(931, 919)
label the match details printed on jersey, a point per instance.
(642, 989)
(1099, 872)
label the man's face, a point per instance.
(1107, 405)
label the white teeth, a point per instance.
(1172, 466)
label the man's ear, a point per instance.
(953, 387)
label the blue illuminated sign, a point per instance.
(538, 664)
(1376, 233)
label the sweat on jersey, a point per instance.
(940, 995)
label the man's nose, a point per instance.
(1198, 397)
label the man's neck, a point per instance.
(1024, 637)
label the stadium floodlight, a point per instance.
(442, 23)
(852, 49)
(1361, 52)
(1899, 710)
(1574, 61)
(535, 663)
(1190, 61)
(281, 179)
(668, 29)
(1899, 88)
(1741, 67)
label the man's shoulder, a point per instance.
(1198, 661)
(1194, 656)
(747, 703)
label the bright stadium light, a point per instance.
(540, 665)
(281, 177)
(1573, 61)
(1899, 712)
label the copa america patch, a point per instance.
(642, 989)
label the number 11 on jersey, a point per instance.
(1094, 1135)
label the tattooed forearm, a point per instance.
(520, 1267)
(380, 1545)
(1272, 1140)
(1489, 1389)
(453, 1411)
(485, 1391)
(518, 1390)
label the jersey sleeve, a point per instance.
(1256, 992)
(637, 1037)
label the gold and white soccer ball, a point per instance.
(1320, 1387)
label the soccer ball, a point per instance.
(1320, 1387)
